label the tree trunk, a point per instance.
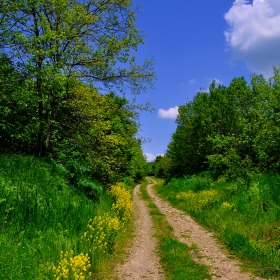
(52, 119)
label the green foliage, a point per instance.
(42, 217)
(245, 219)
(159, 167)
(101, 137)
(17, 111)
(59, 54)
(233, 131)
(138, 164)
(93, 135)
(54, 42)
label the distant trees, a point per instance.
(158, 167)
(231, 130)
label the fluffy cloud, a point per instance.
(171, 113)
(151, 157)
(210, 80)
(254, 33)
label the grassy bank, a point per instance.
(175, 256)
(49, 229)
(246, 219)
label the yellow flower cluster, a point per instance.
(123, 204)
(101, 232)
(227, 206)
(221, 179)
(72, 267)
(200, 200)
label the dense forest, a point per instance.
(231, 131)
(63, 66)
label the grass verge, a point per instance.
(48, 230)
(175, 256)
(244, 218)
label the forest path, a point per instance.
(186, 230)
(142, 262)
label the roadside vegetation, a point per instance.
(222, 167)
(51, 231)
(245, 220)
(175, 256)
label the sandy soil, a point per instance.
(222, 265)
(143, 262)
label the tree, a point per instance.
(7, 17)
(233, 131)
(161, 166)
(54, 41)
(16, 110)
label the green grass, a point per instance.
(175, 256)
(246, 219)
(42, 215)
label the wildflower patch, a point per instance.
(123, 204)
(200, 200)
(72, 267)
(101, 233)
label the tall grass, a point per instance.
(246, 219)
(41, 215)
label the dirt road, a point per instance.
(143, 261)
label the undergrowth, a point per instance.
(49, 230)
(245, 218)
(175, 256)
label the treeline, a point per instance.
(56, 58)
(222, 167)
(231, 131)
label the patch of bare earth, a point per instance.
(142, 262)
(186, 230)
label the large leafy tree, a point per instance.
(54, 41)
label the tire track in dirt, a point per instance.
(187, 231)
(142, 262)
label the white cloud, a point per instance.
(254, 33)
(151, 157)
(192, 81)
(217, 81)
(171, 113)
(210, 80)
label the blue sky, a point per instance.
(194, 42)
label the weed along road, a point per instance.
(142, 262)
(210, 253)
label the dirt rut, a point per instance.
(187, 231)
(143, 262)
